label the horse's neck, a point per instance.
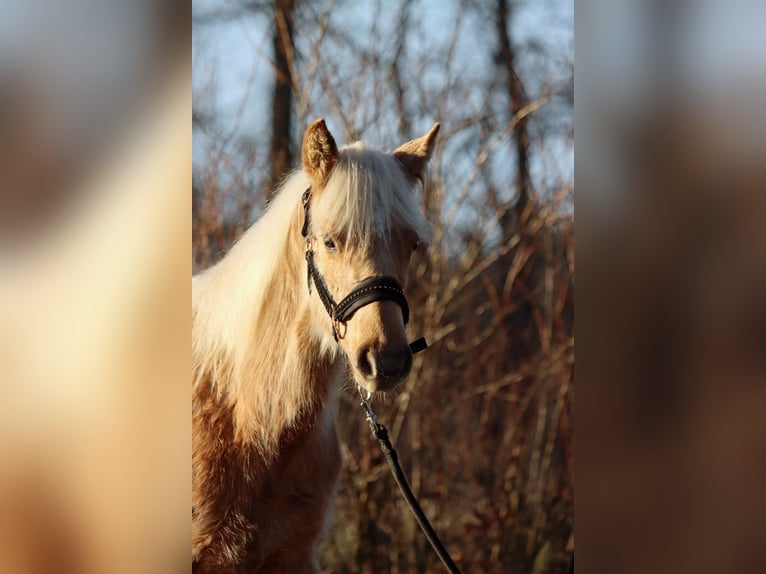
(290, 374)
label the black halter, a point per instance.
(368, 291)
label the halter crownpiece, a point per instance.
(368, 291)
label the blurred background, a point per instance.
(485, 424)
(671, 323)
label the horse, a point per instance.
(274, 340)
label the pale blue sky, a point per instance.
(236, 54)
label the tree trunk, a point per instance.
(281, 155)
(507, 59)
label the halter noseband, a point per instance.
(368, 291)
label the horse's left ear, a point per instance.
(414, 155)
(319, 154)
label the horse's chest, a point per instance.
(250, 515)
(305, 480)
(298, 490)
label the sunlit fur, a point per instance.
(265, 365)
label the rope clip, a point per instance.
(366, 404)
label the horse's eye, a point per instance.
(415, 245)
(329, 243)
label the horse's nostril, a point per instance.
(395, 364)
(364, 362)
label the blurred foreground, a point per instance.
(94, 325)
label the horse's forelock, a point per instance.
(368, 195)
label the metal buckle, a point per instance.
(336, 324)
(366, 404)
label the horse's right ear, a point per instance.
(319, 154)
(414, 155)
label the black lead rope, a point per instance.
(381, 433)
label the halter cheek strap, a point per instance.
(368, 291)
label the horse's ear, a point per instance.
(319, 154)
(414, 155)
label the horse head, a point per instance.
(362, 223)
